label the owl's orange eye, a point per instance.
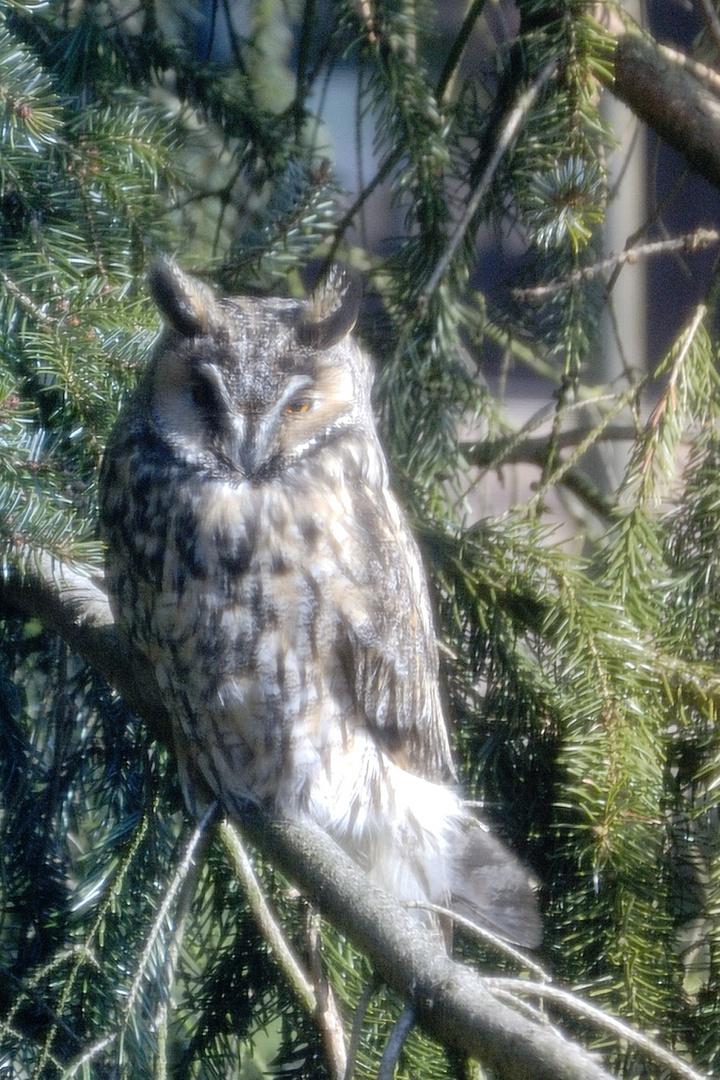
(297, 405)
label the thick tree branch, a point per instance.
(69, 601)
(671, 100)
(450, 1001)
(676, 97)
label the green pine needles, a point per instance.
(582, 677)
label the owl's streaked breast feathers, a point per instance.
(258, 557)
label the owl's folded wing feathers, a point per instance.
(391, 657)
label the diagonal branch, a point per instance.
(674, 95)
(513, 123)
(697, 240)
(265, 918)
(450, 1001)
(69, 600)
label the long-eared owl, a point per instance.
(257, 556)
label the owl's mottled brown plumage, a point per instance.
(258, 557)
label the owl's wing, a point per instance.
(392, 657)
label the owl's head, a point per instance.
(250, 386)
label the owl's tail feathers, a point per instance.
(418, 841)
(491, 888)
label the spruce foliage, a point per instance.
(583, 686)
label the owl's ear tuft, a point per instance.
(331, 310)
(186, 304)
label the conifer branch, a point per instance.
(564, 467)
(88, 1056)
(84, 952)
(507, 135)
(450, 1000)
(577, 687)
(508, 450)
(182, 873)
(25, 989)
(26, 302)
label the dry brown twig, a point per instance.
(694, 241)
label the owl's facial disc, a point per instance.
(247, 388)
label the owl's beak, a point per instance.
(249, 448)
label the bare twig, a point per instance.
(393, 158)
(486, 936)
(694, 241)
(265, 918)
(579, 1007)
(701, 72)
(457, 50)
(327, 1013)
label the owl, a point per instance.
(258, 558)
